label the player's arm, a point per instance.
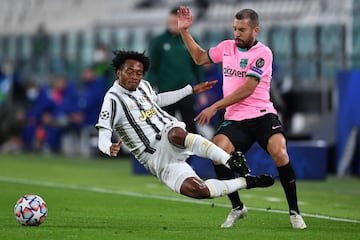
(185, 20)
(238, 95)
(105, 145)
(106, 142)
(170, 97)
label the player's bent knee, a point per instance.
(194, 188)
(177, 136)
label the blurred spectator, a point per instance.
(91, 92)
(5, 84)
(67, 116)
(13, 142)
(65, 97)
(41, 43)
(11, 87)
(101, 65)
(10, 107)
(173, 68)
(38, 118)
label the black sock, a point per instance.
(224, 173)
(288, 182)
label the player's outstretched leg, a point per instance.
(260, 181)
(218, 188)
(237, 163)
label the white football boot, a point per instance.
(234, 215)
(296, 220)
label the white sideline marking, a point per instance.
(141, 195)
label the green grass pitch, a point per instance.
(101, 199)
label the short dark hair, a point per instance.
(248, 14)
(121, 56)
(173, 11)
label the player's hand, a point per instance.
(204, 86)
(185, 19)
(115, 148)
(205, 115)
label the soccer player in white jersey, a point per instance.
(158, 140)
(250, 115)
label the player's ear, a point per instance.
(118, 72)
(256, 29)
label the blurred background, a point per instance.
(55, 67)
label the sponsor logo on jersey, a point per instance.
(230, 72)
(145, 114)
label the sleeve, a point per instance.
(216, 53)
(104, 140)
(107, 113)
(261, 64)
(168, 98)
(105, 123)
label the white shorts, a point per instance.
(168, 163)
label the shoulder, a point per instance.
(145, 85)
(225, 46)
(264, 48)
(112, 92)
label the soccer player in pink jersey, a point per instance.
(250, 115)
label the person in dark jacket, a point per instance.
(173, 68)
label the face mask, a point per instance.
(32, 94)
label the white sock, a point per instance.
(204, 148)
(219, 188)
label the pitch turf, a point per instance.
(102, 199)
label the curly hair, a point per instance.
(121, 56)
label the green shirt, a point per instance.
(172, 67)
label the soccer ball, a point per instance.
(30, 210)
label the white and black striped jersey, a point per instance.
(135, 116)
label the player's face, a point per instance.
(244, 34)
(172, 24)
(131, 74)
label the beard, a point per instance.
(244, 43)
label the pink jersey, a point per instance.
(237, 64)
